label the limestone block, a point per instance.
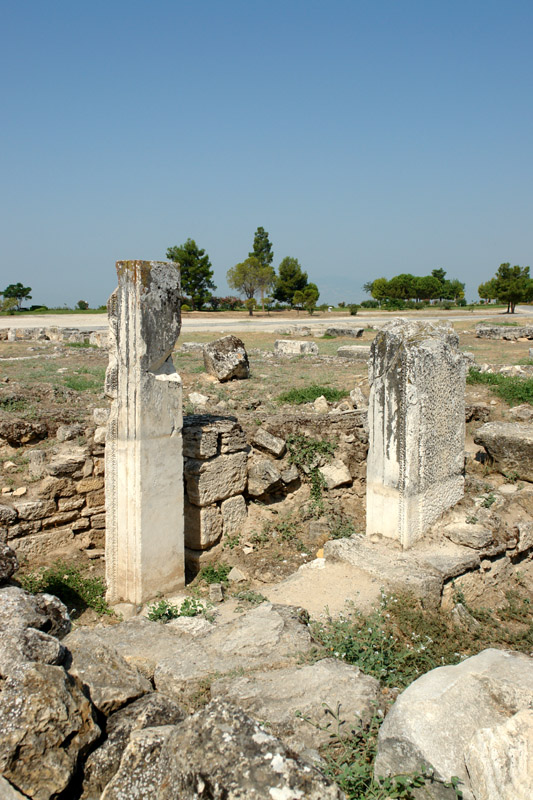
(521, 413)
(499, 760)
(345, 330)
(43, 544)
(289, 347)
(35, 509)
(354, 352)
(87, 485)
(203, 526)
(70, 503)
(215, 479)
(63, 518)
(234, 513)
(335, 474)
(65, 433)
(416, 420)
(470, 535)
(510, 445)
(37, 460)
(263, 476)
(226, 359)
(233, 440)
(8, 515)
(143, 472)
(66, 464)
(204, 435)
(100, 435)
(433, 722)
(101, 415)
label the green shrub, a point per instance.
(77, 590)
(310, 393)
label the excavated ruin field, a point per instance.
(44, 385)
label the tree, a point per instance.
(17, 292)
(83, 305)
(262, 251)
(402, 287)
(250, 277)
(512, 285)
(428, 288)
(297, 300)
(454, 290)
(310, 295)
(196, 272)
(487, 290)
(291, 278)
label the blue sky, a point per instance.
(369, 137)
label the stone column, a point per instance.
(416, 421)
(143, 458)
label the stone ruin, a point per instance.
(417, 428)
(143, 458)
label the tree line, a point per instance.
(417, 289)
(251, 277)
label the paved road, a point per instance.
(245, 323)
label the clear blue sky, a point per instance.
(368, 137)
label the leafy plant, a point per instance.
(342, 528)
(308, 455)
(310, 393)
(163, 611)
(215, 573)
(488, 501)
(248, 599)
(77, 590)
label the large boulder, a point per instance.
(434, 722)
(269, 636)
(313, 690)
(219, 753)
(226, 359)
(152, 710)
(510, 445)
(110, 680)
(47, 725)
(29, 625)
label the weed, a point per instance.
(12, 404)
(349, 761)
(308, 455)
(328, 336)
(248, 599)
(215, 573)
(342, 528)
(163, 611)
(511, 388)
(197, 368)
(232, 541)
(77, 591)
(511, 476)
(310, 393)
(488, 501)
(85, 344)
(471, 520)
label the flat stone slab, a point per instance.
(354, 352)
(288, 347)
(510, 445)
(276, 696)
(345, 330)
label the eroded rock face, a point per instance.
(153, 709)
(218, 753)
(111, 681)
(434, 721)
(47, 724)
(500, 760)
(226, 359)
(29, 625)
(8, 563)
(510, 445)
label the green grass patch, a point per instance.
(12, 404)
(308, 394)
(511, 388)
(308, 455)
(80, 345)
(77, 590)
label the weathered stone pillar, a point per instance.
(416, 421)
(143, 459)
